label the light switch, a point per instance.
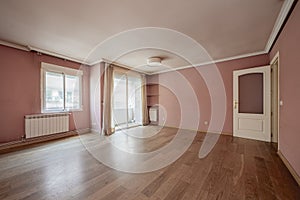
(281, 103)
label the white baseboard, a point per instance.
(289, 166)
(20, 143)
(199, 131)
(29, 141)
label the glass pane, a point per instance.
(251, 93)
(134, 100)
(54, 92)
(72, 92)
(119, 100)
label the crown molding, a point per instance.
(213, 62)
(287, 5)
(13, 45)
(122, 65)
(31, 48)
(96, 62)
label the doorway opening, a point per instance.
(275, 101)
(127, 101)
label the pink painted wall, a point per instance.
(178, 89)
(20, 91)
(172, 105)
(167, 102)
(289, 84)
(226, 69)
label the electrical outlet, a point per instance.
(23, 137)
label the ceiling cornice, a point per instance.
(13, 45)
(122, 65)
(213, 62)
(287, 5)
(31, 48)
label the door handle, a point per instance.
(235, 103)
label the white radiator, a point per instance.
(153, 111)
(46, 124)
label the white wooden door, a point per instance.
(251, 103)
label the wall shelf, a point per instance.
(152, 95)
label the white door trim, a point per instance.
(274, 59)
(253, 126)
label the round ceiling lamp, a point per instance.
(154, 61)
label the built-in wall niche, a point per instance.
(152, 94)
(152, 102)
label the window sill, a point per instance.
(75, 110)
(62, 111)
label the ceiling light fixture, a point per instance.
(154, 61)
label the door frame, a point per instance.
(265, 117)
(274, 60)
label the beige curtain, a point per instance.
(145, 116)
(108, 125)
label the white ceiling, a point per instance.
(130, 31)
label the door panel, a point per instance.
(251, 106)
(250, 124)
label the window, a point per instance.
(127, 98)
(61, 88)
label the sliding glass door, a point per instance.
(119, 106)
(134, 100)
(127, 106)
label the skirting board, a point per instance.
(11, 146)
(289, 166)
(198, 131)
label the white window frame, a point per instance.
(47, 67)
